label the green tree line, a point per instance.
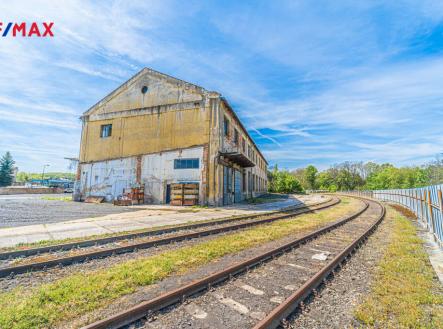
(26, 176)
(7, 171)
(369, 176)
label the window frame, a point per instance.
(226, 126)
(103, 129)
(186, 163)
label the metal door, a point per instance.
(227, 186)
(237, 185)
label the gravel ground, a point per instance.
(334, 305)
(175, 281)
(37, 278)
(120, 243)
(244, 301)
(29, 209)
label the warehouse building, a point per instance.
(165, 137)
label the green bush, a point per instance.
(282, 181)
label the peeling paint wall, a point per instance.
(158, 171)
(161, 90)
(148, 133)
(109, 178)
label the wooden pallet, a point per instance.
(184, 194)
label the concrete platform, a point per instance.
(144, 217)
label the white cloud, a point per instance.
(348, 94)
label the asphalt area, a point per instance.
(30, 209)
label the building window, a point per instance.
(236, 137)
(243, 143)
(186, 163)
(226, 127)
(105, 131)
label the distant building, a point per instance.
(156, 130)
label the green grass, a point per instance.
(57, 198)
(405, 293)
(77, 294)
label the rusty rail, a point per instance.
(281, 312)
(177, 295)
(154, 232)
(12, 270)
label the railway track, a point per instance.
(259, 292)
(47, 256)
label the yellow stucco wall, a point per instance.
(161, 90)
(143, 134)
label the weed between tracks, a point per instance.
(77, 294)
(404, 292)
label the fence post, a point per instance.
(416, 204)
(440, 202)
(422, 201)
(431, 215)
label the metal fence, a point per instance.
(425, 202)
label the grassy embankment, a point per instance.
(72, 296)
(405, 293)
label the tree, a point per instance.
(281, 181)
(300, 175)
(6, 169)
(311, 175)
(27, 176)
(22, 177)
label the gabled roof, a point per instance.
(136, 77)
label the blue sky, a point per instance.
(315, 82)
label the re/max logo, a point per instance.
(27, 30)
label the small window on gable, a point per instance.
(186, 163)
(105, 131)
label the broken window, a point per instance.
(186, 163)
(236, 137)
(105, 131)
(226, 127)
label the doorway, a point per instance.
(168, 194)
